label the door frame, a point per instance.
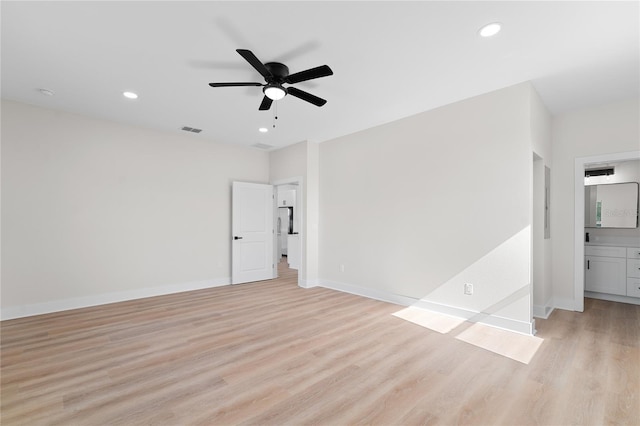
(578, 208)
(300, 201)
(537, 269)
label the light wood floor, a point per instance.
(273, 353)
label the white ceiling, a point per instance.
(390, 60)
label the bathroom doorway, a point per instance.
(582, 164)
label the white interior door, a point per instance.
(252, 232)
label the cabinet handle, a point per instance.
(588, 264)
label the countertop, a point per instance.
(620, 244)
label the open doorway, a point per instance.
(580, 213)
(288, 228)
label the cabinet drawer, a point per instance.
(633, 253)
(633, 287)
(605, 251)
(633, 268)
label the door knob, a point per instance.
(237, 238)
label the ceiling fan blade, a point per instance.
(310, 74)
(255, 62)
(305, 96)
(266, 104)
(234, 84)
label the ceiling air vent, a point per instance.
(191, 129)
(262, 146)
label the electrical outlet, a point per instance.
(468, 289)
(342, 267)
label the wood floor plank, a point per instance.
(272, 353)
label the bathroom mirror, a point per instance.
(611, 206)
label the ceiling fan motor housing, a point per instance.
(278, 71)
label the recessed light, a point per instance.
(263, 130)
(490, 29)
(46, 92)
(130, 95)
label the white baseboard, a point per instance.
(569, 304)
(308, 283)
(492, 320)
(542, 311)
(565, 304)
(522, 327)
(368, 292)
(105, 298)
(612, 297)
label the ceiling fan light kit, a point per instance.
(275, 92)
(275, 75)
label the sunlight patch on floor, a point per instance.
(432, 320)
(516, 346)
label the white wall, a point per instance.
(288, 162)
(313, 212)
(607, 129)
(94, 212)
(415, 208)
(538, 242)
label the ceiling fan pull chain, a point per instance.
(275, 115)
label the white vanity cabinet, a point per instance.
(612, 270)
(606, 270)
(633, 271)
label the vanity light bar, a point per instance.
(599, 172)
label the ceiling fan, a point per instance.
(275, 75)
